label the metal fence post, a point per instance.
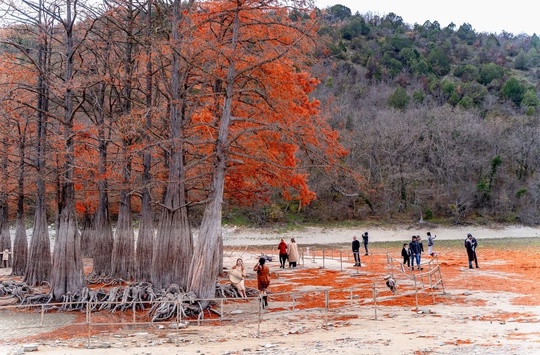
(327, 306)
(178, 317)
(375, 299)
(415, 291)
(88, 324)
(134, 318)
(260, 318)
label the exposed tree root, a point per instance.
(161, 304)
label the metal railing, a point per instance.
(327, 301)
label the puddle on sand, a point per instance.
(17, 325)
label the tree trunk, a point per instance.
(124, 249)
(87, 234)
(67, 268)
(39, 255)
(20, 244)
(5, 237)
(173, 247)
(102, 235)
(145, 238)
(207, 258)
(38, 268)
(205, 265)
(67, 272)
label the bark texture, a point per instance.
(145, 241)
(67, 276)
(67, 272)
(20, 249)
(205, 266)
(173, 248)
(102, 237)
(39, 254)
(123, 254)
(86, 236)
(145, 238)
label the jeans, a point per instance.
(416, 257)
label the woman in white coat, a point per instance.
(293, 253)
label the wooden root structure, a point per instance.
(161, 305)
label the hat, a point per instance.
(235, 276)
(469, 235)
(387, 277)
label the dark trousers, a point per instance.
(407, 261)
(472, 257)
(356, 257)
(282, 260)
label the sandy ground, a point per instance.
(491, 310)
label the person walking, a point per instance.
(237, 276)
(414, 248)
(293, 253)
(356, 251)
(470, 246)
(406, 254)
(365, 240)
(430, 243)
(282, 247)
(263, 280)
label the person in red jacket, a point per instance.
(282, 247)
(263, 280)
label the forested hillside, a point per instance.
(440, 123)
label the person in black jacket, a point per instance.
(365, 240)
(415, 250)
(356, 251)
(470, 246)
(406, 254)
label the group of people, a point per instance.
(288, 252)
(237, 274)
(356, 248)
(412, 251)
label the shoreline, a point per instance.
(241, 236)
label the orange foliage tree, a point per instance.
(254, 113)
